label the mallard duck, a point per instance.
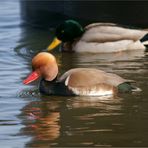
(77, 81)
(98, 38)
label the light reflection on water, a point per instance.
(62, 118)
(30, 119)
(85, 121)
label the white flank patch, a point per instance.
(67, 80)
(91, 92)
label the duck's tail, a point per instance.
(136, 89)
(128, 87)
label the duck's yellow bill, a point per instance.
(54, 44)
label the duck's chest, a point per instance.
(54, 88)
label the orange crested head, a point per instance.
(44, 65)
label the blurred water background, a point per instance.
(28, 119)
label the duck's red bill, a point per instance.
(32, 77)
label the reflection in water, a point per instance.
(42, 122)
(94, 102)
(54, 119)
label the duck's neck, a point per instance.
(54, 87)
(49, 82)
(68, 46)
(47, 87)
(51, 73)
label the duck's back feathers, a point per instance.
(107, 47)
(89, 76)
(99, 24)
(105, 32)
(107, 37)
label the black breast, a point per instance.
(54, 88)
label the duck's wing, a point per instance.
(108, 32)
(107, 47)
(99, 24)
(85, 77)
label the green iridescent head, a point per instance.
(69, 30)
(66, 32)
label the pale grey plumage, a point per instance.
(107, 37)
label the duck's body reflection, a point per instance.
(48, 118)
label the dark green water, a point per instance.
(28, 119)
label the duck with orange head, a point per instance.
(77, 81)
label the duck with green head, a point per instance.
(98, 38)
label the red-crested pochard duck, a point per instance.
(77, 81)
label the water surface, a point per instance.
(28, 119)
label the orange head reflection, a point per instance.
(43, 122)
